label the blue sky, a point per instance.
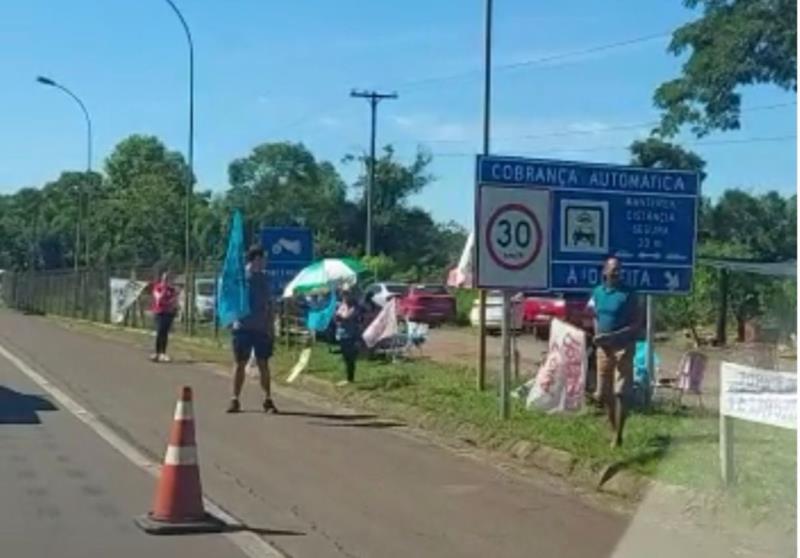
(269, 71)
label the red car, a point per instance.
(538, 311)
(430, 304)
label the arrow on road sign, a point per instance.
(673, 281)
(649, 255)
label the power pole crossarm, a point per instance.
(374, 98)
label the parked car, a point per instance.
(430, 304)
(538, 311)
(494, 312)
(204, 299)
(382, 292)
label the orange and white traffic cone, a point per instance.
(178, 503)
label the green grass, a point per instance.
(673, 445)
(677, 446)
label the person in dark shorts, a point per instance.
(255, 333)
(164, 308)
(618, 323)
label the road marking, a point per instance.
(251, 544)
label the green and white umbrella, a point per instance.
(324, 273)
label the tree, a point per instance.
(685, 311)
(140, 206)
(138, 158)
(659, 154)
(734, 43)
(282, 184)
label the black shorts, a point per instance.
(247, 342)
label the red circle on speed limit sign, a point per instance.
(513, 236)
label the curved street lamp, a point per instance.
(190, 160)
(52, 83)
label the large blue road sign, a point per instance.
(288, 249)
(645, 217)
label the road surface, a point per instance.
(67, 493)
(314, 482)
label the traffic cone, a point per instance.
(178, 503)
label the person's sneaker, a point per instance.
(343, 383)
(269, 406)
(234, 406)
(164, 358)
(154, 357)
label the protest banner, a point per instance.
(559, 383)
(124, 293)
(755, 395)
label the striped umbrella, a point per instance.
(324, 273)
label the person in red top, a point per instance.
(164, 307)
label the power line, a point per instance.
(537, 61)
(612, 147)
(509, 66)
(597, 130)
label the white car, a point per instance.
(204, 299)
(494, 312)
(382, 292)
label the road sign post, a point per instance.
(548, 226)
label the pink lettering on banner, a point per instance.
(548, 374)
(572, 356)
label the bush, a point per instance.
(464, 301)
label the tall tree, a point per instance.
(734, 43)
(139, 214)
(280, 184)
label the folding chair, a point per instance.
(417, 335)
(688, 378)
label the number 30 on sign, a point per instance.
(513, 243)
(513, 236)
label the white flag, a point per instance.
(384, 325)
(461, 275)
(124, 293)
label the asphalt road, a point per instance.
(66, 493)
(313, 481)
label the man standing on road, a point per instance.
(618, 322)
(255, 333)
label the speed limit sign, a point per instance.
(513, 245)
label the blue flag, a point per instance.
(319, 317)
(233, 302)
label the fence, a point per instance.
(86, 294)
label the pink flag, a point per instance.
(384, 325)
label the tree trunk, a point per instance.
(741, 323)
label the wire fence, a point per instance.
(86, 294)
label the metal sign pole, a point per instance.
(505, 374)
(651, 349)
(487, 104)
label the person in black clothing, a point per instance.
(348, 332)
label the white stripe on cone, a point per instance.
(181, 455)
(184, 411)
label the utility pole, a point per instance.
(374, 98)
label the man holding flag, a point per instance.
(244, 306)
(255, 332)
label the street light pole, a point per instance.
(52, 83)
(190, 179)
